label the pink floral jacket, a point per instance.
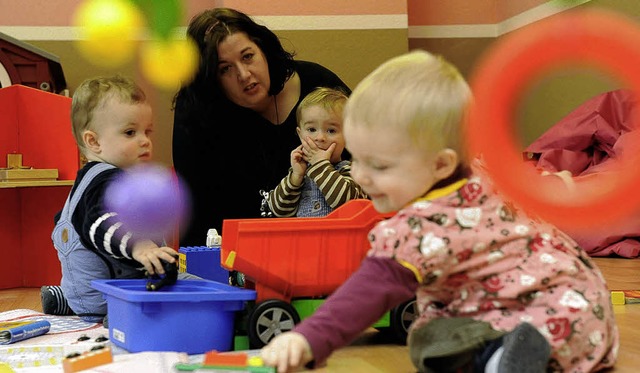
(477, 256)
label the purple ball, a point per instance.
(150, 201)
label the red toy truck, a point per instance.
(294, 263)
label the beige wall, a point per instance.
(464, 37)
(351, 38)
(460, 30)
(565, 89)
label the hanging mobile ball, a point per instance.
(109, 31)
(150, 201)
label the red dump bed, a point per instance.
(299, 257)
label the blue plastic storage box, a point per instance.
(192, 316)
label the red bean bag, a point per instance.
(586, 142)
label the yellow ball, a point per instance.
(109, 30)
(169, 63)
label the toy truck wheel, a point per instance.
(268, 319)
(401, 318)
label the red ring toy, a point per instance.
(597, 39)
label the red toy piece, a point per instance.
(235, 362)
(216, 358)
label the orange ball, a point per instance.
(604, 40)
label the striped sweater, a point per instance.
(324, 188)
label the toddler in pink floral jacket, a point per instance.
(497, 291)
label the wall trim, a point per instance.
(294, 23)
(347, 22)
(41, 32)
(494, 30)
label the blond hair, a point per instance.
(94, 92)
(417, 92)
(331, 100)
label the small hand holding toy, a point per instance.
(151, 203)
(156, 282)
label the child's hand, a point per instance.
(565, 176)
(147, 253)
(298, 165)
(287, 352)
(313, 154)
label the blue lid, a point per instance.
(183, 291)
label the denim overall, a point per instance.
(81, 265)
(312, 202)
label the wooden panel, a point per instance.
(28, 174)
(11, 242)
(39, 206)
(34, 183)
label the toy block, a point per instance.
(241, 342)
(87, 360)
(216, 358)
(236, 362)
(186, 367)
(15, 171)
(621, 297)
(617, 297)
(29, 175)
(204, 262)
(14, 161)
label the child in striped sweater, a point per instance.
(319, 180)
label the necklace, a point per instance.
(275, 103)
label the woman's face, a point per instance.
(243, 72)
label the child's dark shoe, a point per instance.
(54, 302)
(525, 351)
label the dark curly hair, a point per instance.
(208, 29)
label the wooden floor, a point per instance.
(369, 354)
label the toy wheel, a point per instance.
(401, 318)
(236, 279)
(268, 319)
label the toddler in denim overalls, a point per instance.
(112, 123)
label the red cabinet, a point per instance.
(37, 125)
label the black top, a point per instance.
(92, 221)
(230, 153)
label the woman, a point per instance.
(243, 97)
